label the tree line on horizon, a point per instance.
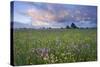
(72, 26)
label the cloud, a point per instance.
(48, 15)
(55, 15)
(39, 23)
(41, 15)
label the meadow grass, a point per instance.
(51, 46)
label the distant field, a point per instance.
(54, 46)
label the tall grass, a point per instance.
(54, 46)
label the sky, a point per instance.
(54, 15)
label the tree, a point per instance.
(73, 25)
(43, 28)
(67, 27)
(49, 28)
(61, 28)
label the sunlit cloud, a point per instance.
(39, 23)
(63, 13)
(55, 15)
(41, 15)
(46, 15)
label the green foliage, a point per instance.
(67, 27)
(63, 45)
(73, 25)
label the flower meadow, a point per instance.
(50, 46)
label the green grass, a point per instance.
(64, 45)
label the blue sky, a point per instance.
(54, 15)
